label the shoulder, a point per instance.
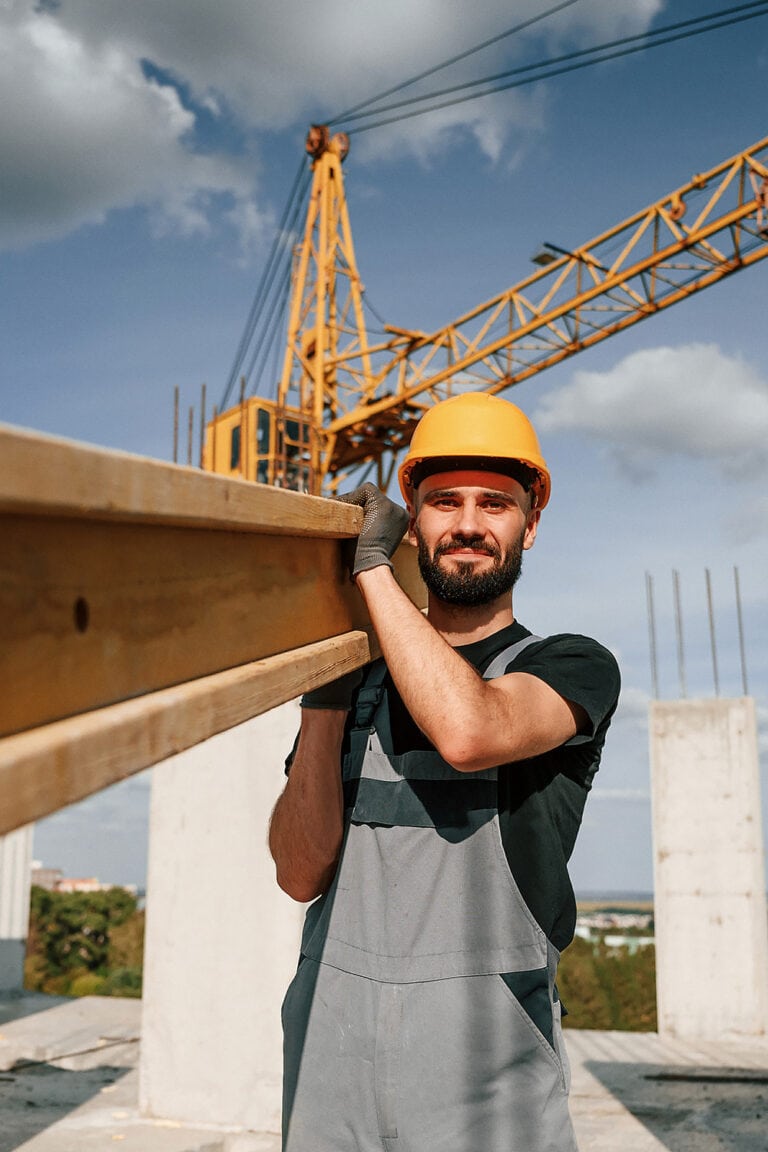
(566, 646)
(578, 668)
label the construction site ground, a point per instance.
(69, 1083)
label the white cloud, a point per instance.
(693, 401)
(749, 520)
(633, 707)
(85, 130)
(635, 795)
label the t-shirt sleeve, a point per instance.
(580, 670)
(290, 757)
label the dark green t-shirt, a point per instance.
(541, 800)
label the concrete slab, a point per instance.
(70, 1033)
(633, 1091)
(69, 1082)
(641, 1093)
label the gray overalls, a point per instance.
(423, 1016)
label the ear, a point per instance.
(531, 528)
(412, 525)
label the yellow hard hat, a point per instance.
(490, 432)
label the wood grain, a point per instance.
(49, 767)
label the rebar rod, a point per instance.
(712, 638)
(679, 633)
(740, 623)
(652, 635)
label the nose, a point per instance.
(467, 521)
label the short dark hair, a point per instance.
(519, 471)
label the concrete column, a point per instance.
(710, 903)
(15, 883)
(222, 939)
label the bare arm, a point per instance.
(306, 828)
(473, 723)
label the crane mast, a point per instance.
(344, 401)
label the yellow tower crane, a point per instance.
(343, 401)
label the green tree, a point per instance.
(70, 936)
(608, 988)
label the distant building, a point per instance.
(46, 877)
(80, 884)
(55, 881)
(616, 928)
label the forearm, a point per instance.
(444, 694)
(307, 824)
(473, 723)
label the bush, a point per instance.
(122, 982)
(88, 984)
(608, 988)
(84, 943)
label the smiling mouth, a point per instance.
(467, 552)
(463, 551)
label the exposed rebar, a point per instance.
(652, 635)
(176, 424)
(679, 633)
(742, 649)
(712, 640)
(202, 423)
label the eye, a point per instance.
(444, 502)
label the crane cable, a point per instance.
(351, 113)
(278, 262)
(295, 199)
(279, 255)
(572, 61)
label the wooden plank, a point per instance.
(144, 607)
(46, 475)
(121, 576)
(94, 612)
(54, 765)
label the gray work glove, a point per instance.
(338, 694)
(384, 526)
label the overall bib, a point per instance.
(423, 1016)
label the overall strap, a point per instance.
(371, 694)
(498, 665)
(369, 698)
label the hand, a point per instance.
(384, 526)
(338, 694)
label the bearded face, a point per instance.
(464, 582)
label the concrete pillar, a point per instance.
(15, 883)
(710, 903)
(222, 939)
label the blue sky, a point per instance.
(148, 151)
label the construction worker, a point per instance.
(432, 804)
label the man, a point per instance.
(433, 809)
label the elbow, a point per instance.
(303, 887)
(298, 889)
(464, 753)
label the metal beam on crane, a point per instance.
(356, 401)
(649, 262)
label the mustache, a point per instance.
(475, 543)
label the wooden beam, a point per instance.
(48, 476)
(93, 612)
(123, 578)
(49, 767)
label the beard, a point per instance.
(463, 585)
